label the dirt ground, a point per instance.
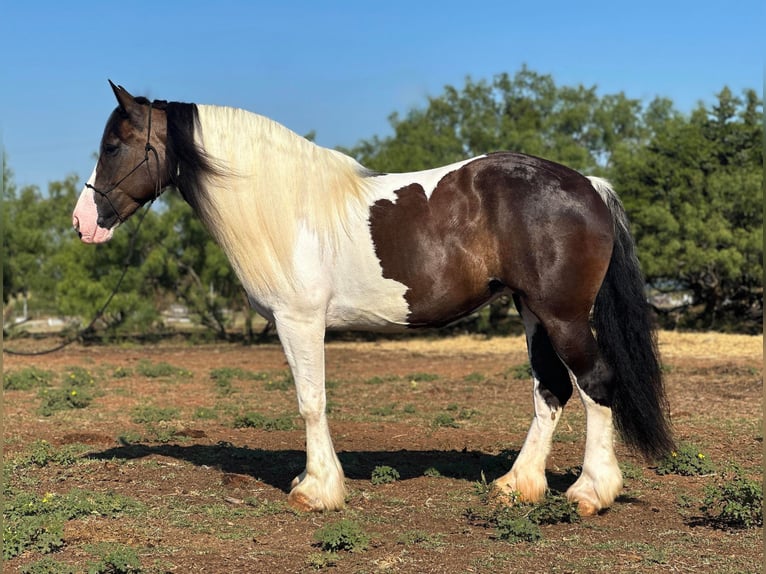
(443, 413)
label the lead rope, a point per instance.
(131, 248)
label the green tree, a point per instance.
(694, 197)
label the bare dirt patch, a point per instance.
(212, 496)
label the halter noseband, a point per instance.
(147, 148)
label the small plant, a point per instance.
(384, 475)
(120, 560)
(420, 538)
(152, 414)
(688, 460)
(519, 372)
(157, 370)
(48, 566)
(283, 383)
(259, 421)
(122, 373)
(342, 536)
(474, 377)
(383, 411)
(42, 453)
(26, 379)
(70, 396)
(520, 521)
(321, 560)
(735, 501)
(422, 377)
(433, 472)
(445, 420)
(34, 522)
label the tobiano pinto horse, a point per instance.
(319, 242)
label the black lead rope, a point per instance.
(131, 248)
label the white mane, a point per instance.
(275, 182)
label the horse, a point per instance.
(320, 242)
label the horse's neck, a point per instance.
(275, 182)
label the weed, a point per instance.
(344, 535)
(33, 522)
(78, 377)
(26, 379)
(283, 383)
(122, 373)
(422, 377)
(520, 521)
(259, 421)
(519, 372)
(378, 380)
(445, 420)
(383, 411)
(153, 414)
(735, 501)
(432, 472)
(224, 376)
(420, 538)
(688, 460)
(474, 377)
(71, 396)
(410, 409)
(151, 370)
(205, 413)
(48, 566)
(321, 560)
(384, 475)
(119, 560)
(42, 453)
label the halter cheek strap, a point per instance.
(147, 148)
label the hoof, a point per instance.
(302, 503)
(512, 487)
(585, 508)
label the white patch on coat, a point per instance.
(85, 216)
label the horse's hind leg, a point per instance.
(552, 389)
(600, 481)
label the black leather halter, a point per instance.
(147, 148)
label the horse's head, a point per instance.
(130, 171)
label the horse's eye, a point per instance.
(111, 149)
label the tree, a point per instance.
(694, 196)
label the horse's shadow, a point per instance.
(278, 467)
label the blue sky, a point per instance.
(341, 67)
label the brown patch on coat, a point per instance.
(502, 222)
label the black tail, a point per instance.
(627, 341)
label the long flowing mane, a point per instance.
(265, 183)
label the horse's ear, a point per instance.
(126, 101)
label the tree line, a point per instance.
(691, 184)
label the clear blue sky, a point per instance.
(341, 67)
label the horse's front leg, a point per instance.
(321, 486)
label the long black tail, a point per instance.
(627, 341)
